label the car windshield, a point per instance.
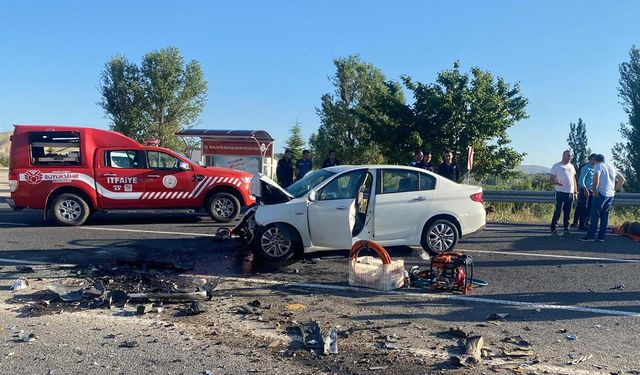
(308, 182)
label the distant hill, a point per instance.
(533, 169)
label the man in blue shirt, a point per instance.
(585, 195)
(303, 166)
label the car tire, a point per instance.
(274, 243)
(439, 236)
(70, 209)
(223, 207)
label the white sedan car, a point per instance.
(332, 208)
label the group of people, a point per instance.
(594, 188)
(287, 171)
(447, 168)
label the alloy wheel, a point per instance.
(441, 237)
(274, 243)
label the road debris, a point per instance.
(496, 316)
(578, 360)
(128, 344)
(294, 307)
(572, 337)
(376, 368)
(516, 340)
(472, 352)
(24, 269)
(194, 308)
(28, 337)
(311, 335)
(618, 287)
(169, 297)
(331, 342)
(21, 283)
(457, 332)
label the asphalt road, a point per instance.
(545, 281)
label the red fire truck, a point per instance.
(71, 172)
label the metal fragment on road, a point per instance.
(572, 337)
(128, 344)
(331, 342)
(21, 283)
(581, 359)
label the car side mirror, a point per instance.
(313, 195)
(184, 166)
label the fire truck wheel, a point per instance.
(70, 209)
(439, 236)
(223, 207)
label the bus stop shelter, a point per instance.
(246, 150)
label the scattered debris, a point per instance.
(619, 287)
(495, 316)
(24, 269)
(169, 297)
(29, 337)
(376, 368)
(457, 332)
(311, 335)
(564, 330)
(21, 283)
(294, 307)
(572, 337)
(194, 308)
(128, 344)
(518, 352)
(117, 297)
(67, 293)
(331, 342)
(472, 352)
(199, 282)
(516, 340)
(581, 359)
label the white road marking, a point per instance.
(34, 262)
(537, 255)
(455, 297)
(19, 224)
(149, 231)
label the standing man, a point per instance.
(585, 194)
(303, 166)
(284, 170)
(606, 181)
(563, 177)
(448, 168)
(418, 160)
(427, 161)
(331, 160)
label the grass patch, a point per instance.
(542, 213)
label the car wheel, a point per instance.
(223, 207)
(440, 236)
(70, 209)
(274, 243)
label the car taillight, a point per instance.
(477, 197)
(13, 181)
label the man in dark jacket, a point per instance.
(448, 168)
(284, 171)
(303, 166)
(331, 160)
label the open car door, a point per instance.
(332, 211)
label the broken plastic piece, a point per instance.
(331, 342)
(21, 283)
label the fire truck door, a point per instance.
(168, 184)
(120, 179)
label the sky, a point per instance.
(267, 63)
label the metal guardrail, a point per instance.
(525, 196)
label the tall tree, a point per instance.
(578, 143)
(157, 99)
(627, 152)
(295, 142)
(457, 111)
(357, 84)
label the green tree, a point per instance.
(578, 143)
(457, 111)
(295, 142)
(342, 127)
(627, 153)
(155, 100)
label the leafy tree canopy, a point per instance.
(578, 143)
(156, 99)
(627, 153)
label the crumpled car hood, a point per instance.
(268, 191)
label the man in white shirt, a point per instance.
(606, 181)
(563, 177)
